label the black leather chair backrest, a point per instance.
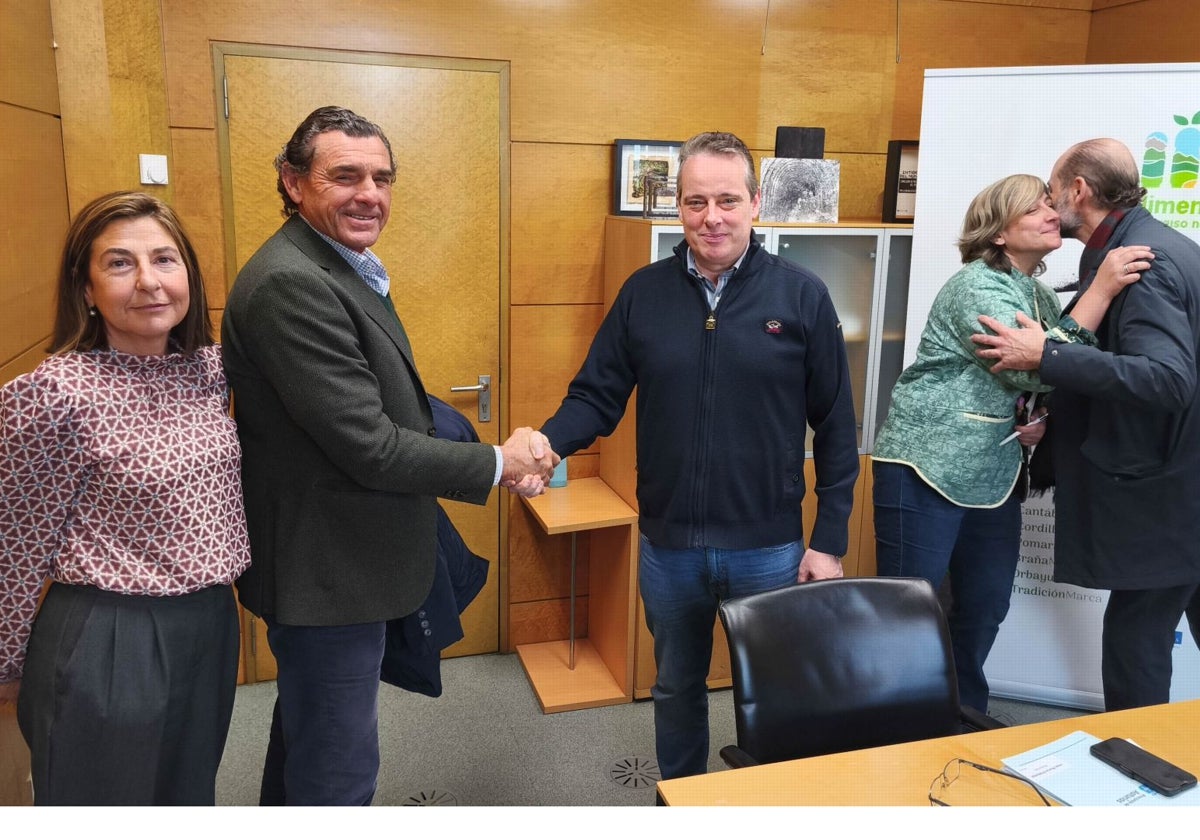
(837, 665)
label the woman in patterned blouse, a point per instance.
(120, 483)
(946, 465)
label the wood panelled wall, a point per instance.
(33, 218)
(33, 191)
(136, 76)
(1150, 32)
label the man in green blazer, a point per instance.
(341, 469)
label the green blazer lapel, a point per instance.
(319, 251)
(379, 312)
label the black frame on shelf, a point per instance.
(897, 151)
(626, 155)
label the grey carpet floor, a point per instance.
(485, 741)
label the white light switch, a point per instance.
(153, 168)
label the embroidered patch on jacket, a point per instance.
(773, 327)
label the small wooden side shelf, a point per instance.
(603, 661)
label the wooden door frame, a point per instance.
(221, 49)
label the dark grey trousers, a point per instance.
(126, 699)
(1138, 641)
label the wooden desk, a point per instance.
(597, 670)
(900, 774)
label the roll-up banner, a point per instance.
(978, 125)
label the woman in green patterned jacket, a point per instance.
(945, 465)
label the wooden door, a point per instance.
(445, 246)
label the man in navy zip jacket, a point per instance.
(733, 351)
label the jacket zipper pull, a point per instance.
(710, 323)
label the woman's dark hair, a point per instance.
(74, 327)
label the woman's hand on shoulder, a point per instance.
(1122, 267)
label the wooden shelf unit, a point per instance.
(603, 661)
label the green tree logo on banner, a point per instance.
(1185, 161)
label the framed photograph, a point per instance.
(800, 190)
(633, 162)
(900, 183)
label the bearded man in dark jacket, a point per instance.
(1125, 424)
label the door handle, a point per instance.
(484, 392)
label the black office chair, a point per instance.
(837, 665)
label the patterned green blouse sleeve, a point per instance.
(1068, 331)
(1002, 296)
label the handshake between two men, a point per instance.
(528, 462)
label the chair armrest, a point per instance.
(735, 757)
(976, 721)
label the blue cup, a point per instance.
(559, 479)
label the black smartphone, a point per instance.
(1145, 767)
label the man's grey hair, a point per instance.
(1108, 167)
(719, 143)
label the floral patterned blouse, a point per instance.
(120, 472)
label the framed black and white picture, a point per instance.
(799, 190)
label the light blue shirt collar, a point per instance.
(366, 265)
(714, 291)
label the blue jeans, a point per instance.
(920, 533)
(324, 747)
(681, 589)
